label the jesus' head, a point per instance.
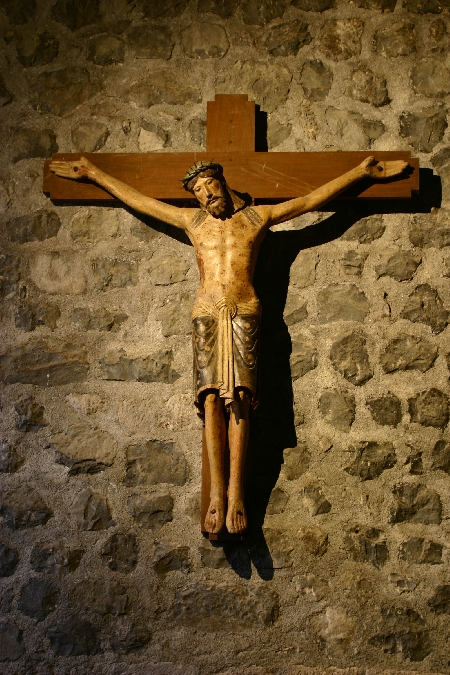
(206, 181)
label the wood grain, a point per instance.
(231, 124)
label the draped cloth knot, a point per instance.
(224, 311)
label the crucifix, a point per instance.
(226, 232)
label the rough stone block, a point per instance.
(342, 302)
(403, 631)
(120, 552)
(304, 356)
(100, 595)
(397, 39)
(151, 41)
(20, 12)
(350, 130)
(441, 456)
(287, 38)
(386, 410)
(400, 265)
(314, 540)
(296, 461)
(39, 363)
(10, 460)
(408, 352)
(352, 262)
(41, 50)
(91, 511)
(277, 502)
(9, 559)
(316, 80)
(74, 636)
(314, 500)
(9, 274)
(416, 503)
(151, 512)
(430, 408)
(134, 640)
(154, 368)
(23, 507)
(38, 598)
(204, 40)
(366, 230)
(60, 92)
(114, 273)
(155, 462)
(338, 408)
(349, 357)
(340, 39)
(75, 15)
(31, 315)
(171, 559)
(83, 449)
(367, 544)
(89, 136)
(430, 78)
(175, 314)
(37, 227)
(425, 306)
(372, 458)
(431, 230)
(369, 87)
(440, 602)
(97, 319)
(224, 8)
(56, 558)
(58, 273)
(421, 551)
(165, 87)
(104, 50)
(268, 85)
(424, 129)
(11, 639)
(33, 142)
(262, 12)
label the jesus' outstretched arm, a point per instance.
(83, 168)
(369, 168)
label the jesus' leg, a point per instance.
(238, 430)
(215, 433)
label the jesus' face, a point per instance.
(210, 192)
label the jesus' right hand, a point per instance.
(81, 168)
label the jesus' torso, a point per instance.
(226, 254)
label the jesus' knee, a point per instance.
(239, 408)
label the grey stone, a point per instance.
(100, 595)
(425, 306)
(430, 408)
(9, 559)
(213, 556)
(295, 310)
(104, 50)
(143, 232)
(342, 302)
(204, 40)
(89, 135)
(38, 598)
(58, 272)
(267, 84)
(151, 41)
(224, 8)
(352, 262)
(280, 545)
(23, 507)
(277, 502)
(402, 631)
(349, 357)
(19, 11)
(367, 545)
(37, 227)
(39, 50)
(397, 39)
(313, 587)
(221, 602)
(171, 559)
(197, 131)
(10, 460)
(155, 462)
(296, 461)
(154, 368)
(303, 270)
(314, 540)
(334, 630)
(37, 363)
(262, 12)
(430, 78)
(84, 449)
(152, 137)
(6, 598)
(285, 39)
(366, 230)
(168, 9)
(408, 352)
(277, 133)
(56, 558)
(372, 458)
(74, 636)
(313, 5)
(97, 319)
(340, 39)
(314, 499)
(151, 512)
(91, 511)
(402, 583)
(441, 456)
(386, 409)
(415, 461)
(33, 142)
(416, 503)
(5, 95)
(316, 80)
(11, 639)
(9, 274)
(400, 265)
(352, 131)
(114, 273)
(421, 551)
(425, 6)
(120, 552)
(59, 92)
(94, 225)
(29, 316)
(338, 408)
(383, 5)
(440, 602)
(369, 87)
(439, 37)
(304, 357)
(75, 14)
(424, 129)
(136, 638)
(163, 87)
(166, 268)
(431, 230)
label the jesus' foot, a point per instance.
(236, 516)
(215, 516)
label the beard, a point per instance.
(217, 207)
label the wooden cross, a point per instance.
(266, 176)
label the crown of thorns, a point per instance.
(199, 167)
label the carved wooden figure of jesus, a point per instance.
(226, 233)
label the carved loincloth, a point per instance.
(225, 337)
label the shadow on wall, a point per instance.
(273, 428)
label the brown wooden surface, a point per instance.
(264, 175)
(224, 535)
(231, 124)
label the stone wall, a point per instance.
(101, 560)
